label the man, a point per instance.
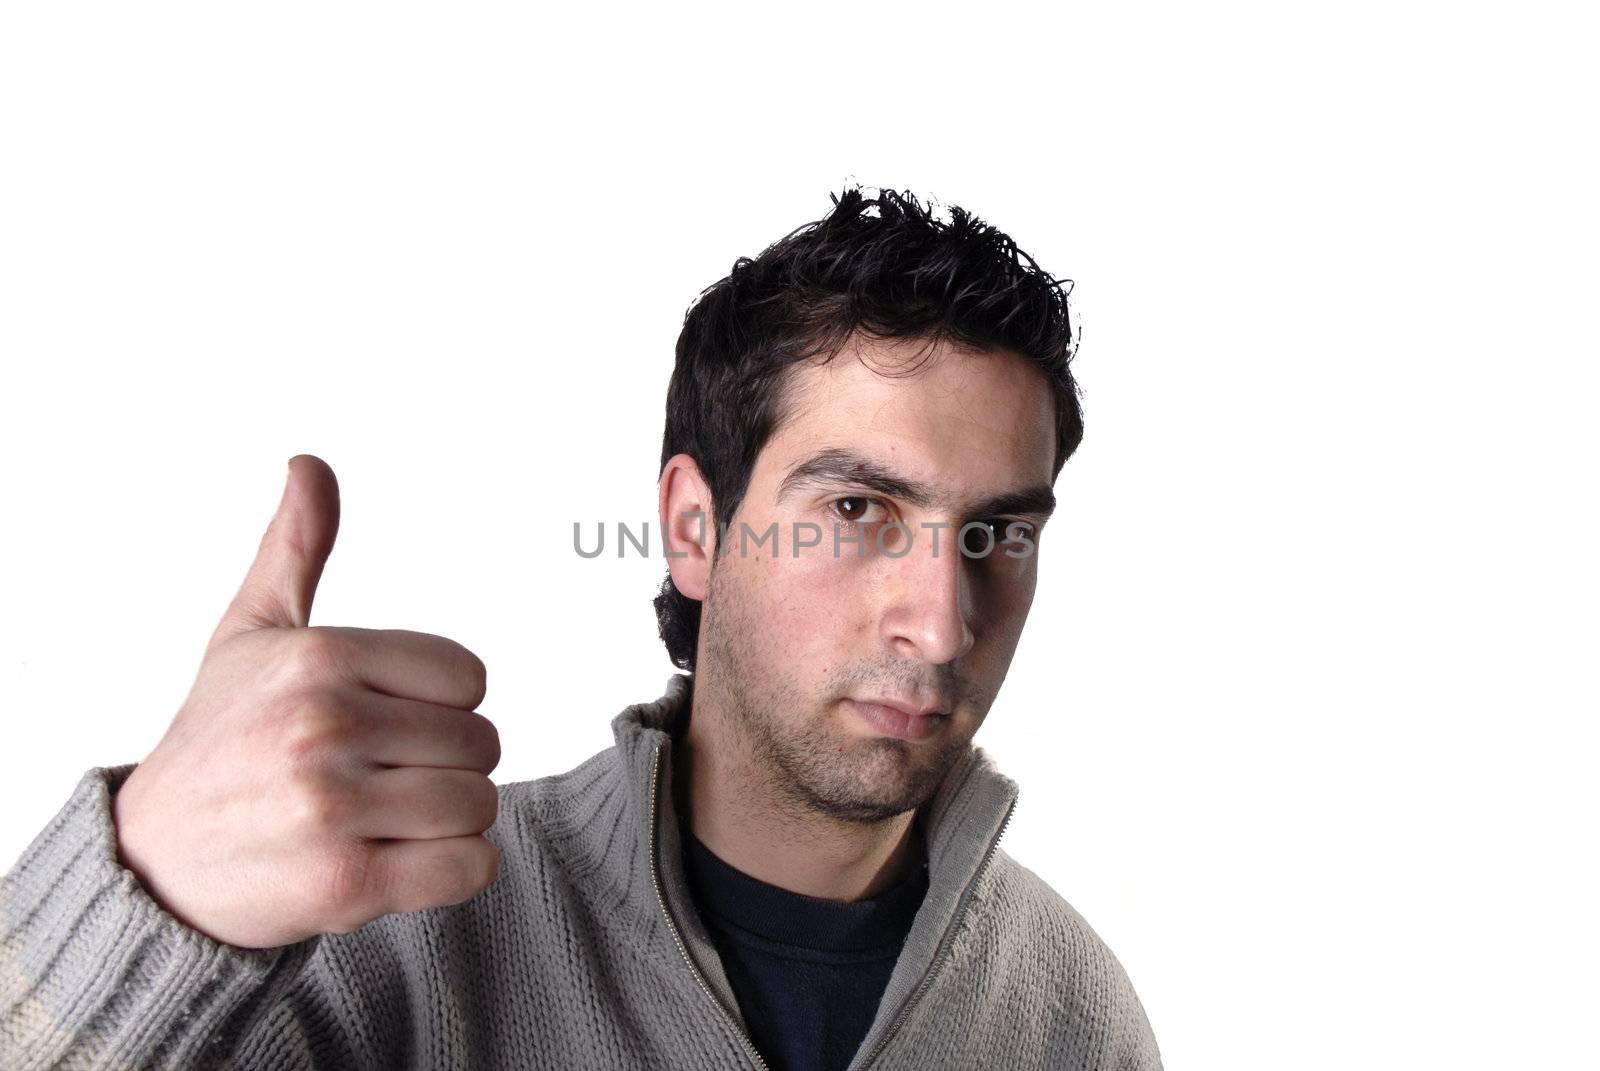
(790, 860)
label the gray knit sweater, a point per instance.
(585, 952)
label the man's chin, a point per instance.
(879, 779)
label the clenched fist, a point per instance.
(315, 778)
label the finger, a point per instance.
(282, 580)
(404, 732)
(424, 803)
(413, 875)
(411, 665)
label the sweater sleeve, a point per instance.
(93, 972)
(1139, 1050)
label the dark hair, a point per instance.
(883, 266)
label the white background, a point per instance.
(1304, 715)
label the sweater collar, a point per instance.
(961, 821)
(962, 825)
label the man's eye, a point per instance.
(1013, 531)
(854, 508)
(1001, 532)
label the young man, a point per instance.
(790, 860)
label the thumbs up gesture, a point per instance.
(315, 778)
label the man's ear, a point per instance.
(688, 526)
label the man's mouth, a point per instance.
(902, 721)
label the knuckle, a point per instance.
(485, 804)
(475, 871)
(318, 732)
(474, 674)
(313, 656)
(463, 803)
(318, 810)
(344, 888)
(490, 738)
(458, 875)
(475, 736)
(464, 667)
(490, 857)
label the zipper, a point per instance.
(944, 947)
(672, 927)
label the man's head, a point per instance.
(878, 366)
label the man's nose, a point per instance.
(930, 598)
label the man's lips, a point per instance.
(898, 721)
(905, 706)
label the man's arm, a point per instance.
(94, 972)
(315, 779)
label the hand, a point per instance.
(316, 778)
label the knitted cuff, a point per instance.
(94, 972)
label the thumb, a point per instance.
(282, 581)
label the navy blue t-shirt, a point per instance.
(808, 973)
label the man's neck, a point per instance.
(777, 841)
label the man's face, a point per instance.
(794, 639)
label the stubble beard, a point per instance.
(807, 764)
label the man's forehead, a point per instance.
(947, 418)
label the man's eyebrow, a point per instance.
(844, 466)
(848, 467)
(1032, 501)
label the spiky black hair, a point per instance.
(884, 266)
